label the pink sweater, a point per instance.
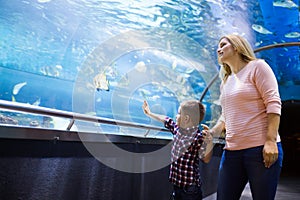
(246, 98)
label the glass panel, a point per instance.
(103, 58)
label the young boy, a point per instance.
(189, 146)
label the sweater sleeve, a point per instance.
(267, 86)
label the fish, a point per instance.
(37, 102)
(51, 71)
(154, 98)
(174, 64)
(43, 1)
(285, 4)
(141, 67)
(292, 35)
(101, 82)
(261, 29)
(17, 87)
(144, 93)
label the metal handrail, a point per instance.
(21, 107)
(286, 44)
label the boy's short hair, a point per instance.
(194, 109)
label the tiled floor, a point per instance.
(288, 189)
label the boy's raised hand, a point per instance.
(154, 116)
(146, 108)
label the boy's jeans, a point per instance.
(192, 192)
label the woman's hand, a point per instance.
(270, 153)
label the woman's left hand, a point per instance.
(270, 153)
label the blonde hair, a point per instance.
(194, 109)
(243, 48)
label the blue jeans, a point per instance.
(192, 192)
(239, 167)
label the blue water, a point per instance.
(163, 51)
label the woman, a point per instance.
(251, 109)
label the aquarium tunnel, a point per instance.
(75, 73)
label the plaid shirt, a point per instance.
(186, 146)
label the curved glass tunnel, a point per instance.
(75, 70)
(104, 58)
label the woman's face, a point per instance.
(225, 50)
